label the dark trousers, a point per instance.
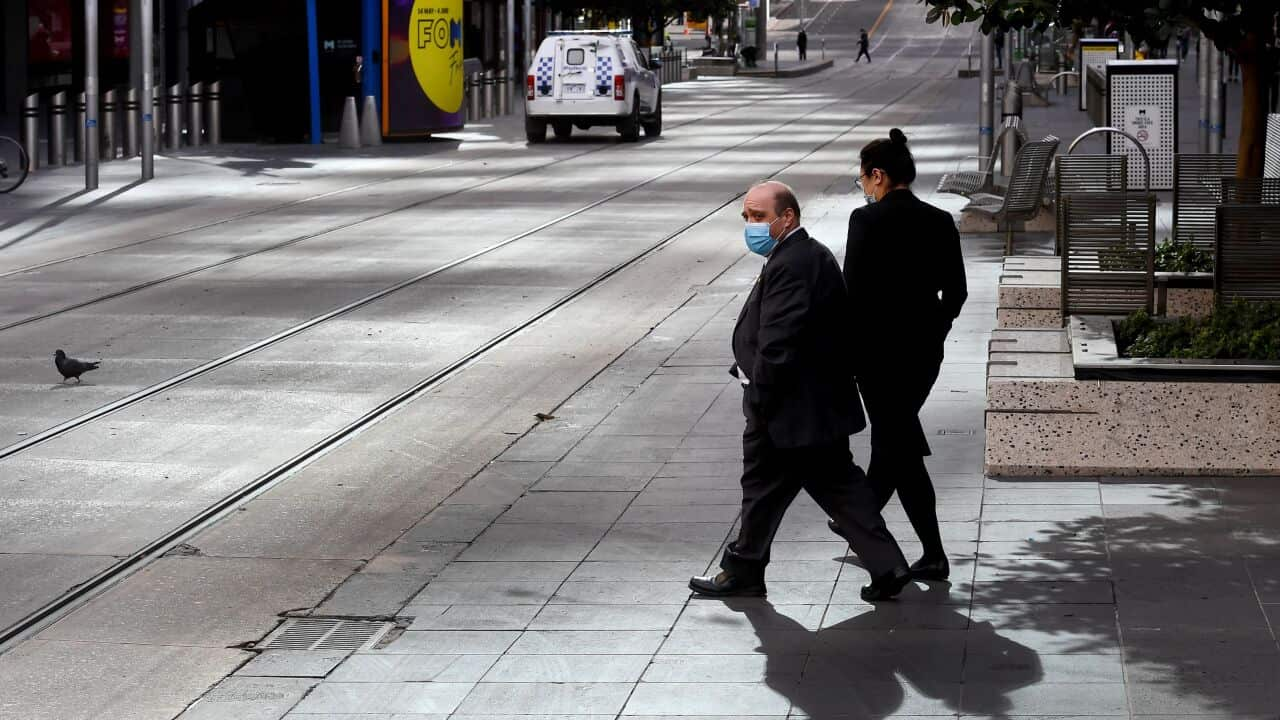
(803, 53)
(771, 479)
(898, 446)
(862, 53)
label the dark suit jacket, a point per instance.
(790, 342)
(905, 275)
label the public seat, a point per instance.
(967, 183)
(1248, 253)
(1073, 174)
(1197, 192)
(1108, 252)
(1022, 199)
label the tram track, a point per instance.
(455, 164)
(211, 513)
(210, 365)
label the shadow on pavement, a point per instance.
(1174, 574)
(908, 657)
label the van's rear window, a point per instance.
(575, 56)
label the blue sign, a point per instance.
(91, 123)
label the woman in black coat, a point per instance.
(906, 281)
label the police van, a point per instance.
(592, 79)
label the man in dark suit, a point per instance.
(802, 44)
(800, 403)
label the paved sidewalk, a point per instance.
(567, 593)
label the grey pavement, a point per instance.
(536, 566)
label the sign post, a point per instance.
(1094, 52)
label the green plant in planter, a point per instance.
(1235, 331)
(1182, 256)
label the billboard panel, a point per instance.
(422, 66)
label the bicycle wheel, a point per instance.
(13, 164)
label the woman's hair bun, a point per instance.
(898, 137)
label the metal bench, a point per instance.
(1271, 166)
(1026, 189)
(1250, 191)
(1197, 191)
(1108, 253)
(1075, 174)
(1248, 253)
(969, 182)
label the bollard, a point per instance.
(157, 114)
(80, 123)
(349, 133)
(1012, 108)
(174, 123)
(487, 87)
(214, 107)
(824, 48)
(195, 113)
(775, 58)
(132, 126)
(473, 98)
(58, 129)
(31, 129)
(108, 141)
(504, 94)
(370, 128)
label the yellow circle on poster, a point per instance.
(435, 49)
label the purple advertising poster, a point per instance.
(422, 69)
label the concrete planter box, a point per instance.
(1184, 294)
(1068, 405)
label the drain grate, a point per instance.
(329, 634)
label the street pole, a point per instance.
(986, 98)
(91, 132)
(147, 40)
(505, 88)
(1202, 82)
(1215, 100)
(526, 59)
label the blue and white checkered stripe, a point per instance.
(544, 75)
(604, 75)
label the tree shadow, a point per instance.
(908, 656)
(1174, 576)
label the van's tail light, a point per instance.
(529, 83)
(619, 87)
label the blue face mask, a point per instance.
(759, 241)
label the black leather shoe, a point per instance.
(887, 586)
(726, 585)
(926, 569)
(833, 527)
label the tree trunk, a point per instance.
(1255, 71)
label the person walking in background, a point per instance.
(864, 45)
(899, 322)
(792, 353)
(357, 79)
(998, 41)
(1184, 43)
(802, 44)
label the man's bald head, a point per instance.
(782, 196)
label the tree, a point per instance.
(1244, 28)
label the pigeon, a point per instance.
(71, 367)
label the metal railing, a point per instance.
(672, 69)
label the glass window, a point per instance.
(575, 56)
